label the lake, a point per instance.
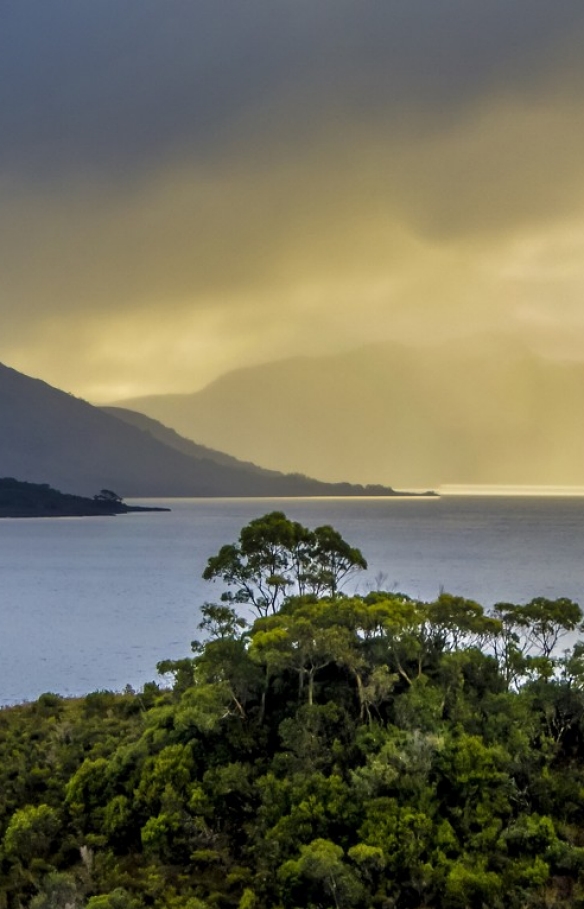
(93, 603)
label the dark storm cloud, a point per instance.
(186, 186)
(111, 86)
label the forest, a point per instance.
(317, 750)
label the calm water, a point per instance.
(88, 603)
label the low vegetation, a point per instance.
(317, 750)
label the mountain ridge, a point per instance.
(479, 409)
(50, 436)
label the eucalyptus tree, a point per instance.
(275, 558)
(531, 635)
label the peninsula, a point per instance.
(19, 499)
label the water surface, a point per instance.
(90, 603)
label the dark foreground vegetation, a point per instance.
(19, 499)
(330, 751)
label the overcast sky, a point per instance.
(186, 187)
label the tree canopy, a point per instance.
(275, 558)
(332, 752)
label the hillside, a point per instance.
(481, 410)
(187, 446)
(51, 437)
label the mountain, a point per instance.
(51, 437)
(266, 482)
(171, 438)
(474, 410)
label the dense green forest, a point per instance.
(317, 750)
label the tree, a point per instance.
(331, 561)
(275, 558)
(108, 496)
(117, 899)
(321, 866)
(59, 891)
(399, 629)
(532, 632)
(303, 638)
(31, 833)
(461, 622)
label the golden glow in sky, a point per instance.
(183, 191)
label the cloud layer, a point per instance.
(185, 188)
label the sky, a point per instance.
(189, 187)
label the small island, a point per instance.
(19, 499)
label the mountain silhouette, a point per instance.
(483, 409)
(49, 436)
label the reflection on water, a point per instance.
(90, 603)
(506, 490)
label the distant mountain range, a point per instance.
(48, 436)
(478, 410)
